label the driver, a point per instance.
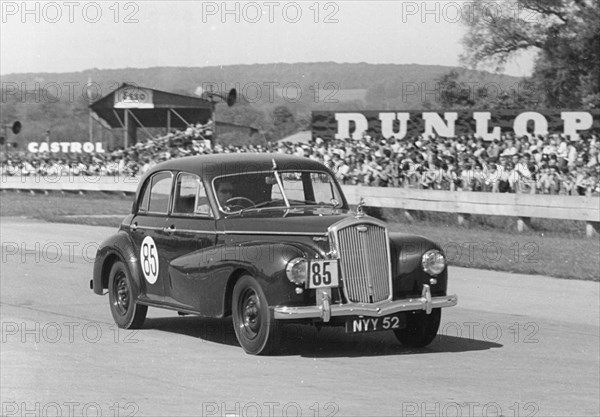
(228, 195)
(224, 191)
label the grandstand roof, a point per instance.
(150, 107)
(299, 137)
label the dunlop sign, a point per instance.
(488, 125)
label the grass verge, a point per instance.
(555, 249)
(59, 207)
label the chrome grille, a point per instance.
(364, 263)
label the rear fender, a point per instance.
(118, 247)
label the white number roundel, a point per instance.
(149, 259)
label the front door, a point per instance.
(191, 228)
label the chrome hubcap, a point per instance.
(251, 321)
(122, 294)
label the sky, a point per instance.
(68, 36)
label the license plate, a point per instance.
(375, 324)
(323, 273)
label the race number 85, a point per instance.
(323, 273)
(149, 259)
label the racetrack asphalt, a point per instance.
(516, 345)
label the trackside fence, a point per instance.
(463, 204)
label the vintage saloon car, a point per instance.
(267, 239)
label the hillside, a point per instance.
(58, 101)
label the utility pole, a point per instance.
(90, 122)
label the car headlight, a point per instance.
(297, 270)
(433, 262)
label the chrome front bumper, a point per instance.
(325, 310)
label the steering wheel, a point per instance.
(247, 200)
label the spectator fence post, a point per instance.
(523, 224)
(592, 229)
(464, 219)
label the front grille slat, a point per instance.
(382, 266)
(364, 263)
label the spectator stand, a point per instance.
(539, 176)
(130, 107)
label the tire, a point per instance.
(256, 329)
(420, 328)
(122, 296)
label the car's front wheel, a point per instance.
(255, 328)
(420, 328)
(121, 295)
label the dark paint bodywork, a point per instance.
(205, 256)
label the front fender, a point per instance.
(265, 261)
(269, 269)
(407, 273)
(118, 247)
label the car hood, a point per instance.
(301, 221)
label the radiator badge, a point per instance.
(361, 229)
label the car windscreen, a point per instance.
(247, 191)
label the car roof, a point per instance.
(214, 165)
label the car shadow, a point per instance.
(384, 344)
(208, 329)
(307, 341)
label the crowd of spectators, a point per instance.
(549, 164)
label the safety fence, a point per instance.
(463, 204)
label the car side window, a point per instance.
(202, 205)
(160, 191)
(143, 204)
(190, 196)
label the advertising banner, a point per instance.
(65, 147)
(488, 125)
(131, 97)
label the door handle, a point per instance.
(169, 229)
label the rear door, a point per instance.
(149, 234)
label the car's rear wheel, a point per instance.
(255, 328)
(122, 295)
(421, 328)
